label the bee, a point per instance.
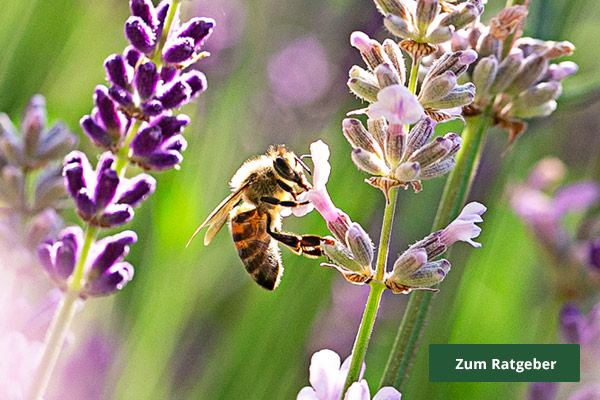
(260, 190)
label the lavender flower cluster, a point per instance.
(133, 121)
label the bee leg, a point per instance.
(284, 203)
(286, 187)
(309, 245)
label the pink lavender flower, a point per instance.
(463, 228)
(327, 378)
(397, 104)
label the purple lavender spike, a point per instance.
(196, 80)
(108, 181)
(116, 70)
(178, 50)
(173, 125)
(146, 141)
(152, 108)
(167, 74)
(146, 79)
(198, 29)
(98, 135)
(112, 280)
(140, 35)
(139, 188)
(176, 95)
(107, 111)
(143, 9)
(115, 215)
(121, 96)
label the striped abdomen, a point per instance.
(258, 251)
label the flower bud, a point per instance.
(386, 75)
(369, 162)
(459, 96)
(99, 136)
(176, 95)
(117, 71)
(536, 95)
(440, 35)
(432, 152)
(391, 7)
(360, 244)
(426, 12)
(363, 89)
(484, 74)
(408, 172)
(33, 123)
(178, 50)
(56, 142)
(140, 34)
(359, 137)
(420, 134)
(12, 184)
(370, 50)
(429, 275)
(339, 254)
(49, 189)
(488, 45)
(560, 71)
(543, 110)
(378, 128)
(394, 53)
(464, 15)
(438, 169)
(530, 71)
(437, 87)
(398, 27)
(507, 71)
(394, 146)
(408, 263)
(146, 80)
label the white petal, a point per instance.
(358, 391)
(324, 370)
(319, 152)
(472, 212)
(397, 104)
(387, 393)
(307, 393)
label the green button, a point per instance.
(504, 363)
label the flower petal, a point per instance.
(397, 104)
(387, 393)
(358, 391)
(324, 371)
(320, 153)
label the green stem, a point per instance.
(359, 349)
(123, 153)
(61, 321)
(455, 192)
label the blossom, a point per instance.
(102, 197)
(327, 378)
(417, 267)
(397, 104)
(104, 270)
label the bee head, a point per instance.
(289, 167)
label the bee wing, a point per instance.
(217, 218)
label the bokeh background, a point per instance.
(192, 324)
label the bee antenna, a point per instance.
(302, 164)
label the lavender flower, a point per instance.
(102, 198)
(416, 268)
(327, 379)
(397, 105)
(104, 272)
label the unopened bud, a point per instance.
(408, 263)
(392, 50)
(12, 150)
(370, 50)
(488, 45)
(386, 75)
(437, 87)
(456, 62)
(339, 254)
(484, 74)
(363, 89)
(359, 137)
(542, 110)
(429, 275)
(461, 95)
(49, 189)
(530, 71)
(12, 185)
(57, 142)
(369, 162)
(391, 7)
(408, 172)
(438, 169)
(33, 123)
(466, 14)
(420, 134)
(360, 244)
(394, 146)
(440, 35)
(560, 71)
(378, 128)
(426, 12)
(507, 71)
(432, 152)
(399, 27)
(537, 95)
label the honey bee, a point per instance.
(261, 189)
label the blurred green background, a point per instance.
(192, 324)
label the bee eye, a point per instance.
(283, 169)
